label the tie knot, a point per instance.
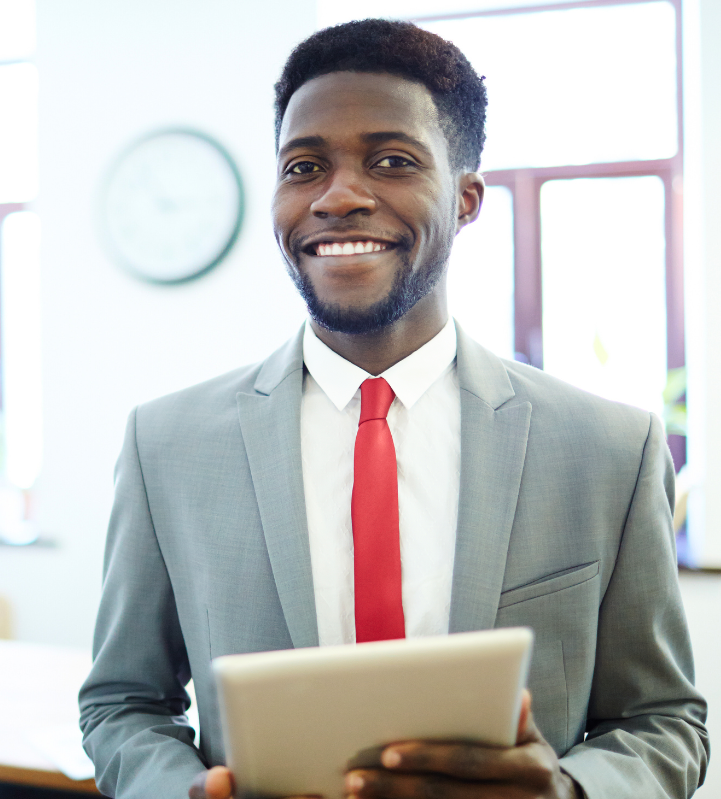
(376, 399)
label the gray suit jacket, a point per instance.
(564, 524)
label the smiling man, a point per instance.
(373, 145)
(383, 476)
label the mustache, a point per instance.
(297, 244)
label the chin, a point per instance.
(409, 286)
(359, 320)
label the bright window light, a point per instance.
(332, 12)
(20, 357)
(575, 86)
(604, 290)
(480, 277)
(17, 29)
(18, 133)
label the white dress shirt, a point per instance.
(425, 422)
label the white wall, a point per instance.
(111, 72)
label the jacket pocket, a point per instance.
(562, 610)
(550, 584)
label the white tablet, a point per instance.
(293, 719)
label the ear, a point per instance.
(470, 198)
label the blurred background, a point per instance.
(597, 256)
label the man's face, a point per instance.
(366, 204)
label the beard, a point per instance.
(408, 288)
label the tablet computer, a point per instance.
(293, 719)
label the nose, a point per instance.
(344, 194)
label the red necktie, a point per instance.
(374, 510)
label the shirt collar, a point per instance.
(409, 378)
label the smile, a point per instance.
(348, 248)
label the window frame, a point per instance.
(525, 185)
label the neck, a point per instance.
(375, 352)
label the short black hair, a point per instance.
(402, 49)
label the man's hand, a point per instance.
(216, 783)
(428, 770)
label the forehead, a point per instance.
(344, 103)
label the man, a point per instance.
(516, 499)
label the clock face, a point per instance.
(172, 206)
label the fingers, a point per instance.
(381, 783)
(216, 783)
(438, 769)
(366, 758)
(369, 784)
(530, 764)
(219, 783)
(524, 715)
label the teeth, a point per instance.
(349, 247)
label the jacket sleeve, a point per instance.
(645, 729)
(134, 700)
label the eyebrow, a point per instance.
(396, 135)
(301, 141)
(370, 138)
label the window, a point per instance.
(18, 100)
(20, 417)
(585, 138)
(603, 286)
(483, 258)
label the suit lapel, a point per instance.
(270, 423)
(494, 432)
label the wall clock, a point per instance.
(172, 206)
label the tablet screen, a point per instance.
(292, 720)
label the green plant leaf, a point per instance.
(675, 385)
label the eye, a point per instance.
(394, 162)
(303, 168)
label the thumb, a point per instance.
(219, 783)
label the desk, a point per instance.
(38, 686)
